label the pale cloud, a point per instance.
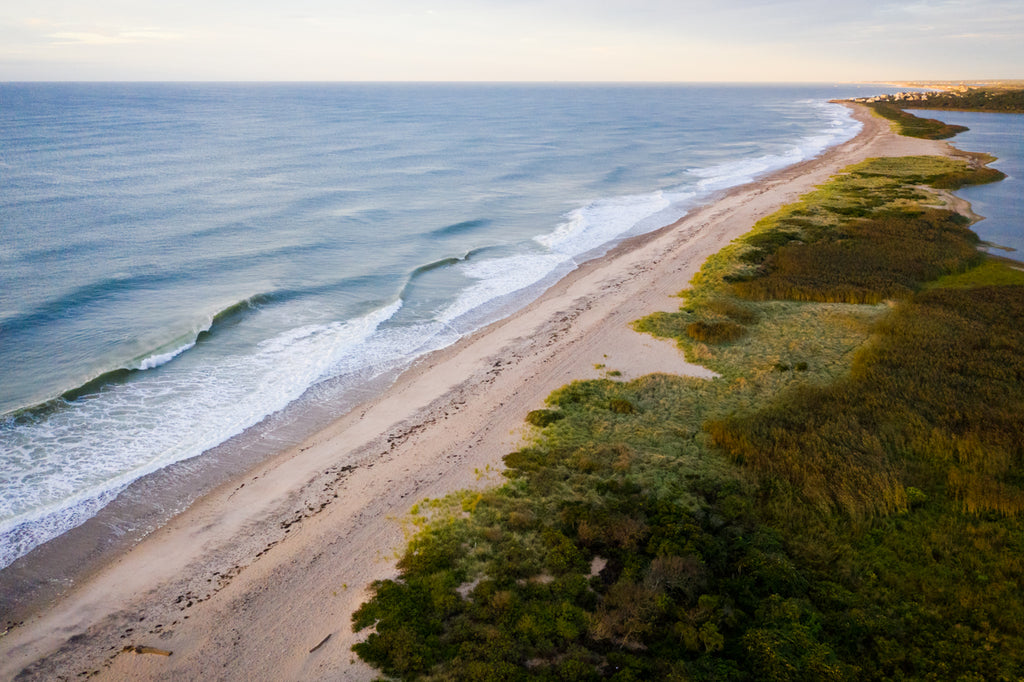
(145, 34)
(687, 40)
(112, 38)
(84, 38)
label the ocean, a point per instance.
(191, 268)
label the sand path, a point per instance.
(248, 583)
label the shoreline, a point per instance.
(267, 565)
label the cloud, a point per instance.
(85, 38)
(121, 37)
(150, 34)
(517, 39)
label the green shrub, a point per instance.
(620, 406)
(911, 126)
(542, 418)
(733, 309)
(916, 497)
(720, 331)
(975, 176)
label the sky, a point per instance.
(511, 40)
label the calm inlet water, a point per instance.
(180, 261)
(1002, 203)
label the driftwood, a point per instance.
(148, 650)
(322, 642)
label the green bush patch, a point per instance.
(542, 418)
(912, 126)
(716, 331)
(867, 261)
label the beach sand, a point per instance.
(258, 579)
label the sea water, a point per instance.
(180, 261)
(1001, 203)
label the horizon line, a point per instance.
(483, 82)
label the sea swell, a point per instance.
(460, 228)
(157, 357)
(225, 317)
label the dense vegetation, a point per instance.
(842, 503)
(856, 240)
(931, 403)
(1000, 100)
(913, 126)
(973, 99)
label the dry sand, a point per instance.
(249, 582)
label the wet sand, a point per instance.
(258, 579)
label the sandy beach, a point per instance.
(258, 579)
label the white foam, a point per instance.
(498, 277)
(841, 128)
(605, 220)
(162, 358)
(158, 359)
(598, 225)
(588, 230)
